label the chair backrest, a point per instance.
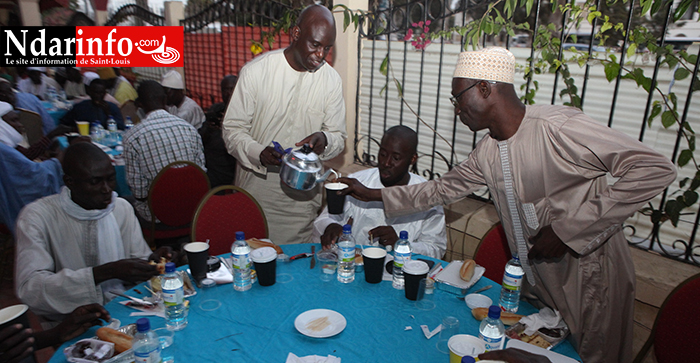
(224, 211)
(32, 124)
(673, 336)
(493, 253)
(176, 192)
(129, 109)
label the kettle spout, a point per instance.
(325, 175)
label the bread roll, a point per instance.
(506, 317)
(467, 270)
(255, 243)
(160, 265)
(122, 342)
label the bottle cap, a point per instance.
(403, 235)
(515, 257)
(169, 267)
(468, 359)
(240, 235)
(494, 312)
(347, 229)
(143, 325)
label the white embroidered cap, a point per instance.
(489, 64)
(173, 80)
(89, 77)
(5, 108)
(40, 69)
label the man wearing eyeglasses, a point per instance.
(546, 168)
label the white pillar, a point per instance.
(174, 12)
(101, 17)
(345, 62)
(29, 9)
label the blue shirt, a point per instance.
(87, 111)
(30, 102)
(23, 181)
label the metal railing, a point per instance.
(425, 76)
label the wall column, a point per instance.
(174, 12)
(29, 10)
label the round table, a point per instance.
(258, 325)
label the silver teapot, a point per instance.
(301, 169)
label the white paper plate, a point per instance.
(328, 323)
(553, 356)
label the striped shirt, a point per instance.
(157, 141)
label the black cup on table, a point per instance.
(373, 258)
(336, 203)
(197, 255)
(413, 272)
(16, 314)
(265, 261)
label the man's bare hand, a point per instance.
(15, 343)
(513, 355)
(317, 141)
(80, 320)
(269, 156)
(358, 191)
(130, 270)
(547, 245)
(386, 235)
(163, 252)
(330, 235)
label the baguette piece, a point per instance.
(122, 342)
(255, 243)
(467, 271)
(506, 317)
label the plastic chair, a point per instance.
(673, 336)
(129, 109)
(493, 253)
(32, 124)
(173, 198)
(224, 211)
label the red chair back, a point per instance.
(176, 192)
(675, 338)
(493, 253)
(224, 211)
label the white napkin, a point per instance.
(157, 311)
(291, 358)
(546, 318)
(220, 276)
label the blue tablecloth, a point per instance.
(56, 114)
(258, 325)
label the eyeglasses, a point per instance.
(454, 98)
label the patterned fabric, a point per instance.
(157, 141)
(490, 64)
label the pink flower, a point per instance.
(420, 24)
(414, 25)
(409, 35)
(427, 22)
(426, 29)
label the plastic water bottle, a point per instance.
(346, 259)
(128, 124)
(402, 254)
(512, 284)
(96, 131)
(492, 331)
(240, 252)
(145, 345)
(173, 298)
(111, 124)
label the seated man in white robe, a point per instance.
(179, 104)
(426, 230)
(74, 247)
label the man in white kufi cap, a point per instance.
(37, 82)
(546, 168)
(178, 104)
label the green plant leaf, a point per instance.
(657, 5)
(695, 183)
(631, 50)
(346, 20)
(683, 182)
(691, 142)
(673, 210)
(668, 119)
(691, 197)
(384, 66)
(681, 73)
(681, 9)
(655, 111)
(399, 88)
(684, 157)
(381, 91)
(646, 6)
(605, 27)
(611, 71)
(528, 6)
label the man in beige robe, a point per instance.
(293, 97)
(546, 168)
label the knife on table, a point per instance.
(313, 258)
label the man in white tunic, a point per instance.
(546, 168)
(76, 246)
(38, 83)
(426, 229)
(293, 97)
(178, 104)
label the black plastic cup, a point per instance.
(265, 261)
(16, 314)
(413, 272)
(336, 203)
(197, 255)
(373, 258)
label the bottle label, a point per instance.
(241, 261)
(492, 343)
(148, 357)
(512, 282)
(173, 297)
(400, 259)
(347, 254)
